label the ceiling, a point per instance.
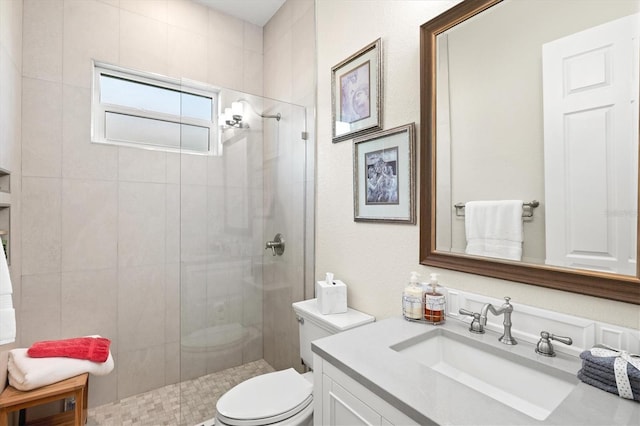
(257, 12)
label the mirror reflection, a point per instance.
(537, 103)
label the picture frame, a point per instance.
(356, 93)
(384, 176)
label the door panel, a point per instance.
(591, 147)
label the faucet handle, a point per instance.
(544, 346)
(565, 340)
(475, 326)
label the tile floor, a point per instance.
(188, 403)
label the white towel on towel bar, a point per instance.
(494, 228)
(7, 314)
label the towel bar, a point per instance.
(527, 208)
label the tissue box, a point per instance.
(332, 297)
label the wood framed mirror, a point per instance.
(440, 148)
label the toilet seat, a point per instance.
(265, 399)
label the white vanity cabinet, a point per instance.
(341, 400)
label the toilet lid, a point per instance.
(274, 396)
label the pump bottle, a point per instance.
(435, 301)
(413, 299)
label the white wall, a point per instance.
(375, 259)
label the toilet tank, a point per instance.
(313, 325)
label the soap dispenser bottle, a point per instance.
(435, 301)
(412, 299)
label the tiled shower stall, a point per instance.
(159, 251)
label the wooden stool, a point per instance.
(12, 399)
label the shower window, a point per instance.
(141, 109)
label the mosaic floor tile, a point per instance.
(187, 403)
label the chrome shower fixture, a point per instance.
(276, 116)
(232, 117)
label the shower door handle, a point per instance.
(277, 245)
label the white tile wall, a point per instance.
(228, 75)
(143, 43)
(91, 31)
(189, 54)
(289, 64)
(42, 132)
(42, 53)
(189, 15)
(142, 165)
(253, 76)
(140, 370)
(193, 229)
(154, 9)
(172, 224)
(89, 224)
(305, 56)
(40, 301)
(193, 170)
(41, 233)
(141, 224)
(88, 303)
(141, 319)
(252, 37)
(172, 303)
(82, 159)
(103, 227)
(226, 31)
(215, 171)
(172, 362)
(103, 389)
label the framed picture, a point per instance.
(356, 93)
(384, 176)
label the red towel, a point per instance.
(92, 348)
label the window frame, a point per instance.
(99, 109)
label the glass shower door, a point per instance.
(235, 296)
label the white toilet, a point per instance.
(285, 397)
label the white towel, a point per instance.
(26, 373)
(5, 278)
(7, 314)
(494, 228)
(7, 326)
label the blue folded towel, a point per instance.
(607, 363)
(606, 380)
(598, 384)
(605, 374)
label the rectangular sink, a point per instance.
(530, 387)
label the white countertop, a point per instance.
(426, 396)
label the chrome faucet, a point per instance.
(475, 326)
(544, 346)
(505, 309)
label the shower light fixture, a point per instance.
(232, 117)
